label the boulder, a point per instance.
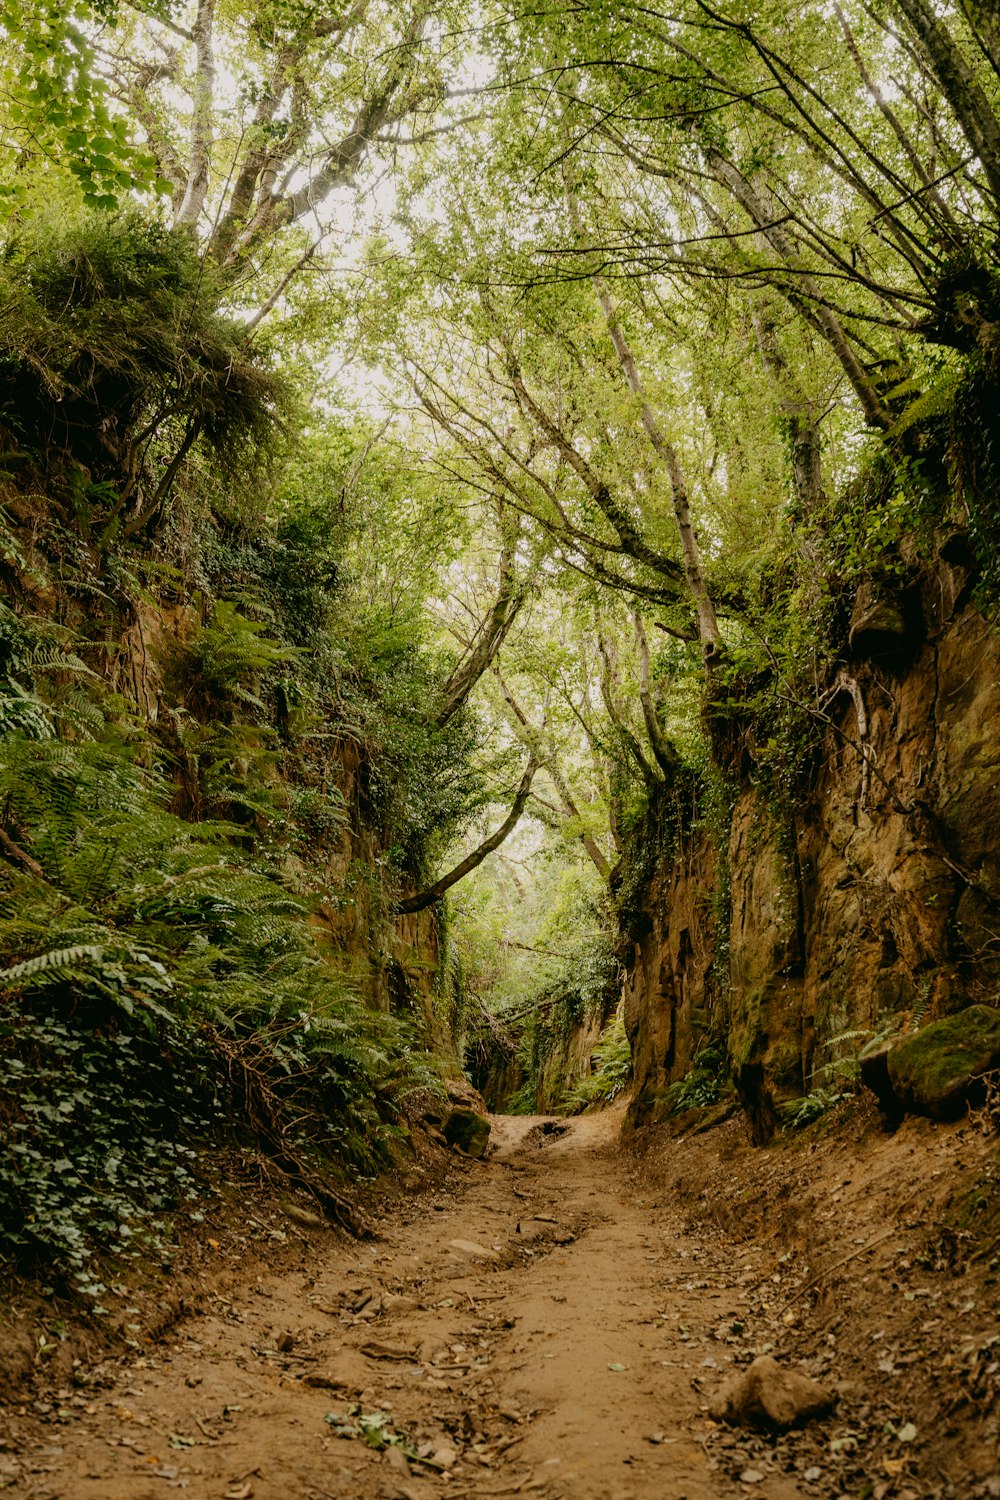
(463, 1095)
(467, 1130)
(766, 1396)
(934, 1072)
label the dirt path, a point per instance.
(529, 1331)
(552, 1323)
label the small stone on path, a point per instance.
(469, 1247)
(766, 1395)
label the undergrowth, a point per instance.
(701, 1085)
(611, 1061)
(159, 987)
(212, 746)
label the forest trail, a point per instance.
(532, 1330)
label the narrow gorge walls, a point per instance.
(873, 895)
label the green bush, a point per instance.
(114, 358)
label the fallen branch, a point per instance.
(17, 854)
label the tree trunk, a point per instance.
(984, 22)
(666, 756)
(708, 625)
(960, 87)
(803, 429)
(489, 638)
(828, 324)
(628, 739)
(203, 94)
(569, 807)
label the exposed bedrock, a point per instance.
(868, 903)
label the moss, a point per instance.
(746, 1034)
(934, 1072)
(468, 1131)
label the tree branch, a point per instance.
(489, 638)
(203, 93)
(422, 899)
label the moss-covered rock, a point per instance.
(934, 1072)
(467, 1130)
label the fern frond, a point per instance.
(61, 959)
(937, 400)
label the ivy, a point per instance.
(101, 1133)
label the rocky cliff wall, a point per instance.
(394, 960)
(874, 895)
(557, 1058)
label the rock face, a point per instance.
(672, 989)
(768, 1397)
(393, 961)
(872, 896)
(934, 1072)
(564, 1059)
(879, 624)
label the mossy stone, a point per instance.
(467, 1130)
(934, 1072)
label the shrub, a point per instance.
(114, 360)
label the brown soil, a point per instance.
(552, 1322)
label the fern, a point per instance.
(796, 1114)
(147, 945)
(701, 1085)
(230, 653)
(937, 400)
(58, 961)
(612, 1070)
(848, 1069)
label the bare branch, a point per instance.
(423, 899)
